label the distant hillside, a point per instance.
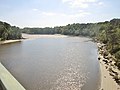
(8, 32)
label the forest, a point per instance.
(107, 32)
(8, 32)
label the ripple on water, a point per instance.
(70, 79)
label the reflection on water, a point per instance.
(70, 79)
(53, 63)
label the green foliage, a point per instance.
(46, 30)
(117, 54)
(70, 29)
(110, 35)
(9, 32)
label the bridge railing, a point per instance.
(7, 81)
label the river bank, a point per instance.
(109, 72)
(30, 36)
(33, 36)
(9, 41)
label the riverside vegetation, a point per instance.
(8, 32)
(107, 33)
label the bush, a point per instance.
(117, 55)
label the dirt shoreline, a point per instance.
(30, 37)
(106, 65)
(9, 41)
(33, 36)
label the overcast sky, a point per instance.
(42, 13)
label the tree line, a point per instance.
(109, 34)
(8, 32)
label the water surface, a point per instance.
(68, 63)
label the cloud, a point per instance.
(35, 9)
(77, 14)
(79, 3)
(59, 18)
(39, 18)
(80, 13)
(100, 3)
(49, 13)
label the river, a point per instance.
(68, 63)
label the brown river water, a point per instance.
(68, 63)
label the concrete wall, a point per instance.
(7, 81)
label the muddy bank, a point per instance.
(110, 75)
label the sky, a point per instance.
(50, 13)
